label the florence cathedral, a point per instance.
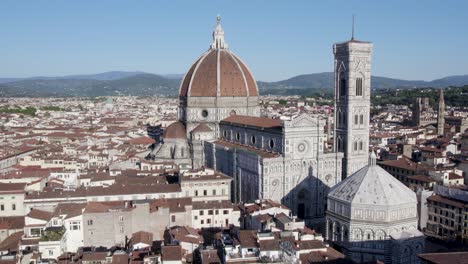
(220, 126)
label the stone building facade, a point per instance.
(423, 114)
(282, 160)
(278, 160)
(352, 107)
(372, 216)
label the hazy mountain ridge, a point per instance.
(147, 84)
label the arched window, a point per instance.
(355, 119)
(360, 145)
(359, 87)
(271, 143)
(238, 136)
(342, 85)
(355, 145)
(361, 119)
(253, 140)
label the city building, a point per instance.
(372, 216)
(448, 214)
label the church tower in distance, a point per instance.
(441, 114)
(352, 102)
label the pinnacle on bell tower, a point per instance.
(441, 114)
(218, 36)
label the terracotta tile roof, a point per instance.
(175, 130)
(453, 176)
(120, 259)
(102, 207)
(94, 256)
(141, 141)
(39, 214)
(269, 244)
(259, 152)
(11, 242)
(235, 80)
(310, 244)
(174, 204)
(405, 163)
(421, 178)
(186, 234)
(263, 218)
(69, 209)
(319, 256)
(118, 188)
(444, 200)
(429, 149)
(12, 222)
(203, 205)
(27, 242)
(187, 78)
(445, 258)
(204, 78)
(231, 81)
(263, 122)
(12, 188)
(173, 253)
(202, 127)
(142, 237)
(248, 238)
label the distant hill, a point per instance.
(105, 76)
(139, 85)
(146, 84)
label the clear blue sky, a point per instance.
(277, 39)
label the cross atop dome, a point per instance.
(218, 36)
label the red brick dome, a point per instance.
(175, 130)
(218, 73)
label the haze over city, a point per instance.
(279, 39)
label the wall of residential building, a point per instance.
(74, 233)
(207, 190)
(214, 217)
(445, 221)
(181, 217)
(106, 229)
(423, 215)
(154, 222)
(11, 204)
(111, 228)
(50, 249)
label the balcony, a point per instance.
(52, 234)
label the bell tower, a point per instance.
(352, 102)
